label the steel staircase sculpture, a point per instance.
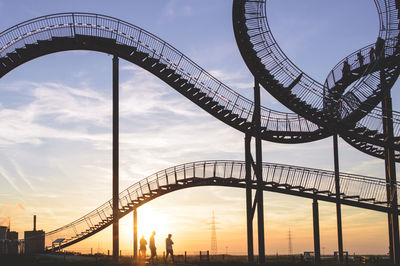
(346, 104)
(361, 191)
(356, 116)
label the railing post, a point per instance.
(390, 170)
(115, 158)
(317, 249)
(338, 206)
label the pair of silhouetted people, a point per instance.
(152, 246)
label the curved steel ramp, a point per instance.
(335, 105)
(356, 190)
(83, 31)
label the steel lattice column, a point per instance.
(115, 158)
(390, 170)
(135, 242)
(257, 167)
(317, 249)
(338, 206)
(258, 171)
(249, 211)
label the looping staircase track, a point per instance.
(343, 104)
(361, 191)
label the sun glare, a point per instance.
(150, 220)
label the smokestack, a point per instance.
(34, 222)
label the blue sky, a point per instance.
(55, 136)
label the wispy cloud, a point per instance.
(174, 9)
(10, 180)
(21, 174)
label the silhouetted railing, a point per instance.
(77, 24)
(277, 177)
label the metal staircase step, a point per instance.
(359, 129)
(45, 43)
(199, 95)
(167, 71)
(218, 108)
(211, 103)
(14, 57)
(150, 61)
(174, 76)
(159, 66)
(6, 61)
(224, 112)
(140, 55)
(206, 99)
(192, 91)
(181, 81)
(232, 116)
(188, 86)
(23, 51)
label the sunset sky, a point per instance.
(55, 130)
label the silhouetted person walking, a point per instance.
(345, 70)
(371, 55)
(142, 248)
(360, 58)
(168, 246)
(379, 48)
(152, 246)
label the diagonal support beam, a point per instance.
(253, 209)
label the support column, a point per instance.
(390, 170)
(135, 242)
(115, 158)
(249, 212)
(317, 246)
(258, 171)
(338, 206)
